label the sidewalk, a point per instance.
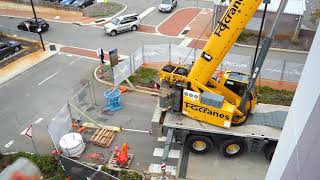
(49, 14)
(17, 67)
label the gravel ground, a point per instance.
(103, 9)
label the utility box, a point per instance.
(211, 99)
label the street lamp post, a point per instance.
(35, 16)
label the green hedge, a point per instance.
(268, 95)
(48, 165)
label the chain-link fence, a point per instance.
(156, 56)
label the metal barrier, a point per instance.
(155, 56)
(80, 171)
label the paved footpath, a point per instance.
(49, 14)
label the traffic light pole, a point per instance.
(35, 16)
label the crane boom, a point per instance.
(223, 101)
(226, 33)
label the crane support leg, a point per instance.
(167, 145)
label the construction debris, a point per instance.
(94, 126)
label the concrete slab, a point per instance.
(212, 166)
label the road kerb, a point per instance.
(129, 88)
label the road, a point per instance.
(37, 94)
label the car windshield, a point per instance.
(166, 1)
(115, 21)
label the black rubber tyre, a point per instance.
(134, 28)
(113, 33)
(269, 151)
(193, 140)
(233, 147)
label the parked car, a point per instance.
(122, 23)
(66, 2)
(43, 25)
(8, 48)
(82, 3)
(167, 5)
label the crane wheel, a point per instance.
(269, 151)
(239, 121)
(233, 147)
(199, 144)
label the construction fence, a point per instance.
(155, 56)
(78, 107)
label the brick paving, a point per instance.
(178, 21)
(147, 29)
(82, 52)
(49, 14)
(201, 26)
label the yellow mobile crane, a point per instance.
(219, 103)
(226, 101)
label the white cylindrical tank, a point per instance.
(72, 144)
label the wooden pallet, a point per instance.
(103, 137)
(112, 164)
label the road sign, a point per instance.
(163, 166)
(28, 132)
(114, 58)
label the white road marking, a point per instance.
(186, 42)
(9, 144)
(158, 152)
(70, 55)
(164, 138)
(156, 169)
(75, 61)
(146, 12)
(136, 130)
(47, 78)
(38, 121)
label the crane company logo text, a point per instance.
(205, 110)
(224, 23)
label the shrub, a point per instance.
(47, 164)
(268, 95)
(315, 16)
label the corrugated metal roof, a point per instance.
(296, 7)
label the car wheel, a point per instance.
(199, 144)
(82, 6)
(233, 147)
(134, 28)
(16, 49)
(113, 33)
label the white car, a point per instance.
(167, 5)
(129, 22)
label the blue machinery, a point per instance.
(113, 100)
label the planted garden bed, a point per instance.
(48, 165)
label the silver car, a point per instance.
(167, 5)
(129, 22)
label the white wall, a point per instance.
(297, 153)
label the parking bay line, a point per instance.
(146, 12)
(74, 61)
(47, 78)
(9, 144)
(158, 152)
